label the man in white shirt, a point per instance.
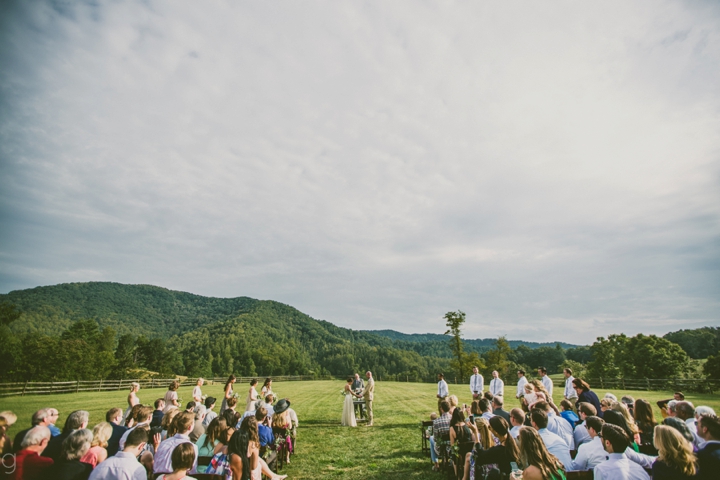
(522, 381)
(570, 393)
(163, 457)
(124, 465)
(477, 384)
(485, 408)
(617, 466)
(553, 443)
(593, 452)
(581, 435)
(557, 425)
(517, 419)
(442, 392)
(497, 386)
(547, 383)
(685, 411)
(144, 416)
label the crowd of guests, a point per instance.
(165, 441)
(616, 439)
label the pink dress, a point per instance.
(94, 456)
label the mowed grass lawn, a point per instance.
(389, 449)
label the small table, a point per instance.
(360, 405)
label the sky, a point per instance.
(552, 169)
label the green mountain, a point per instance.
(479, 345)
(698, 342)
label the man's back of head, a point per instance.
(444, 406)
(484, 405)
(137, 437)
(539, 418)
(498, 401)
(112, 415)
(708, 427)
(517, 417)
(684, 410)
(615, 439)
(35, 436)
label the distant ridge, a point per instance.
(479, 343)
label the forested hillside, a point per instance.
(699, 342)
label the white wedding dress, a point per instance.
(348, 415)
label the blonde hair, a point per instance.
(134, 386)
(9, 417)
(529, 386)
(453, 401)
(674, 449)
(281, 420)
(101, 434)
(606, 402)
(622, 408)
(484, 433)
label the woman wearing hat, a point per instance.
(281, 424)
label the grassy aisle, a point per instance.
(389, 449)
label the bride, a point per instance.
(348, 415)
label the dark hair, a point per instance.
(488, 396)
(445, 406)
(566, 404)
(267, 381)
(542, 369)
(158, 402)
(253, 382)
(209, 402)
(457, 417)
(680, 394)
(616, 436)
(136, 437)
(521, 371)
(261, 414)
(596, 423)
(712, 423)
(542, 405)
(643, 412)
(475, 407)
(112, 414)
(484, 405)
(190, 405)
(174, 385)
(680, 426)
(568, 370)
(539, 417)
(231, 417)
(229, 381)
(350, 379)
(214, 430)
(587, 408)
(441, 375)
(238, 445)
(613, 417)
(133, 414)
(684, 410)
(183, 457)
(581, 384)
(501, 427)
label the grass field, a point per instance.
(389, 449)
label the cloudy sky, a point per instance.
(550, 168)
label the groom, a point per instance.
(367, 394)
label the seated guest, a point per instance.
(485, 409)
(267, 405)
(623, 410)
(29, 465)
(244, 454)
(98, 447)
(671, 408)
(198, 429)
(69, 466)
(143, 416)
(557, 425)
(265, 433)
(75, 421)
(645, 421)
(586, 395)
(617, 466)
(461, 437)
(566, 412)
(190, 407)
(182, 459)
(184, 424)
(675, 459)
(42, 418)
(281, 425)
(157, 414)
(114, 418)
(517, 419)
(615, 418)
(209, 440)
(611, 397)
(709, 455)
(167, 423)
(124, 465)
(210, 415)
(680, 426)
(590, 453)
(580, 435)
(441, 431)
(606, 403)
(685, 411)
(231, 404)
(663, 404)
(497, 404)
(500, 455)
(540, 464)
(554, 443)
(629, 402)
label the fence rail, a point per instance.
(44, 388)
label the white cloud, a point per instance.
(551, 170)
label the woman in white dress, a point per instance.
(267, 389)
(197, 391)
(348, 415)
(228, 392)
(132, 399)
(251, 401)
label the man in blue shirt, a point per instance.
(266, 437)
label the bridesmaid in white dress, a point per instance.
(348, 415)
(251, 401)
(132, 399)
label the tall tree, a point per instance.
(454, 321)
(498, 358)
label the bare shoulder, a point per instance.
(532, 473)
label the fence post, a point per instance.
(647, 380)
(152, 383)
(623, 383)
(24, 388)
(601, 383)
(100, 387)
(77, 386)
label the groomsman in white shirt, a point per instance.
(497, 386)
(522, 381)
(442, 389)
(477, 384)
(547, 383)
(570, 392)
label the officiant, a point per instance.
(358, 385)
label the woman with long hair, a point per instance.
(244, 454)
(460, 435)
(586, 395)
(251, 401)
(167, 429)
(622, 408)
(281, 425)
(543, 394)
(645, 420)
(267, 389)
(538, 462)
(210, 439)
(171, 397)
(676, 460)
(484, 440)
(499, 455)
(348, 412)
(98, 447)
(616, 418)
(228, 392)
